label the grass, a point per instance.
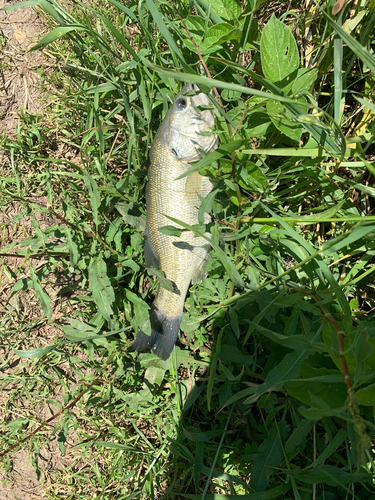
(270, 393)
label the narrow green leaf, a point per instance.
(331, 447)
(36, 353)
(162, 280)
(121, 447)
(158, 18)
(328, 474)
(101, 287)
(270, 456)
(171, 231)
(338, 101)
(94, 195)
(358, 49)
(43, 298)
(55, 35)
(347, 238)
(141, 319)
(298, 436)
(271, 494)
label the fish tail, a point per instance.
(164, 331)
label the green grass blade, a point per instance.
(56, 34)
(158, 18)
(358, 49)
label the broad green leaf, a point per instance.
(206, 206)
(366, 395)
(72, 247)
(77, 327)
(200, 437)
(153, 378)
(363, 352)
(232, 354)
(277, 114)
(101, 287)
(287, 369)
(132, 215)
(227, 9)
(282, 122)
(332, 394)
(330, 339)
(217, 34)
(255, 178)
(279, 54)
(297, 342)
(259, 124)
(304, 81)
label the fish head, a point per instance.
(184, 124)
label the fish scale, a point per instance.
(181, 258)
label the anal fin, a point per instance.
(164, 332)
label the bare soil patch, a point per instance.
(19, 69)
(20, 89)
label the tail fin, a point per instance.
(163, 336)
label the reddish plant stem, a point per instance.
(67, 407)
(216, 92)
(361, 427)
(340, 336)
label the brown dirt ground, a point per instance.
(19, 78)
(20, 89)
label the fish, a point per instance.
(176, 143)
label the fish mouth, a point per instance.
(200, 99)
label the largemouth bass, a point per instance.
(176, 144)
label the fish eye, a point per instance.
(181, 103)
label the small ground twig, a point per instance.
(56, 415)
